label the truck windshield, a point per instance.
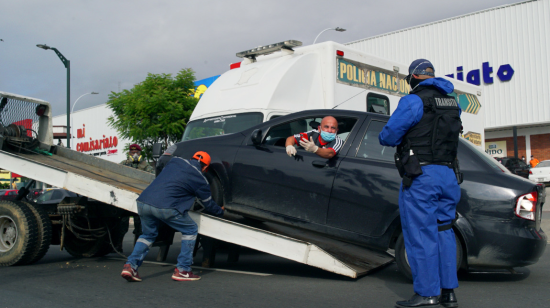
(221, 125)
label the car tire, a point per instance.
(215, 188)
(18, 233)
(403, 263)
(44, 234)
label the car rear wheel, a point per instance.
(18, 233)
(403, 262)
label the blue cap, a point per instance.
(418, 67)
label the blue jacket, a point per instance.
(177, 186)
(409, 112)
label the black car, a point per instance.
(515, 165)
(54, 196)
(354, 196)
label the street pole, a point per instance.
(335, 29)
(67, 64)
(72, 109)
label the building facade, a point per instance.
(505, 51)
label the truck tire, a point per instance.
(403, 263)
(44, 225)
(118, 229)
(80, 248)
(18, 233)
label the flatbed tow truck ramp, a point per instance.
(86, 227)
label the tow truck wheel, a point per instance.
(44, 234)
(83, 248)
(403, 263)
(18, 233)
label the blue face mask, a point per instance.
(327, 136)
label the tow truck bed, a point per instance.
(120, 186)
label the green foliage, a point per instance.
(155, 110)
(4, 185)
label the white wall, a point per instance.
(94, 120)
(516, 34)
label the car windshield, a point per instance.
(221, 125)
(542, 164)
(485, 157)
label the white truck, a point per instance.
(279, 79)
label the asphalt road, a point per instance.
(257, 280)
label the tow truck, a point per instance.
(89, 225)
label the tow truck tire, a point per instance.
(80, 248)
(403, 263)
(18, 233)
(44, 225)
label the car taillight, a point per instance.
(526, 206)
(530, 172)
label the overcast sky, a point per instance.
(112, 45)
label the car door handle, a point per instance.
(319, 163)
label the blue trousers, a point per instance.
(150, 221)
(432, 196)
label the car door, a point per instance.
(365, 193)
(266, 178)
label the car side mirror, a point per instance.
(256, 137)
(157, 150)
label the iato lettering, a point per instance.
(504, 73)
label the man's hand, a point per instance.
(291, 150)
(309, 145)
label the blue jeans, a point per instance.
(150, 221)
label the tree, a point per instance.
(154, 110)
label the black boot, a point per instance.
(419, 301)
(448, 298)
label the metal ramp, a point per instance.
(120, 186)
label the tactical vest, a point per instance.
(435, 138)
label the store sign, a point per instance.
(496, 148)
(94, 145)
(504, 73)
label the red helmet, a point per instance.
(202, 157)
(135, 147)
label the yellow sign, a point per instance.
(474, 138)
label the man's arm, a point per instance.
(408, 113)
(205, 196)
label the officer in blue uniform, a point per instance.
(425, 127)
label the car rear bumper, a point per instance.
(505, 245)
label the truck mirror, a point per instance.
(157, 150)
(256, 137)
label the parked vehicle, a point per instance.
(541, 172)
(516, 166)
(54, 196)
(354, 196)
(8, 194)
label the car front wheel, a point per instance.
(403, 262)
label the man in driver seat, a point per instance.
(322, 141)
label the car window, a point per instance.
(57, 194)
(13, 192)
(370, 147)
(221, 125)
(45, 196)
(277, 134)
(543, 164)
(522, 164)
